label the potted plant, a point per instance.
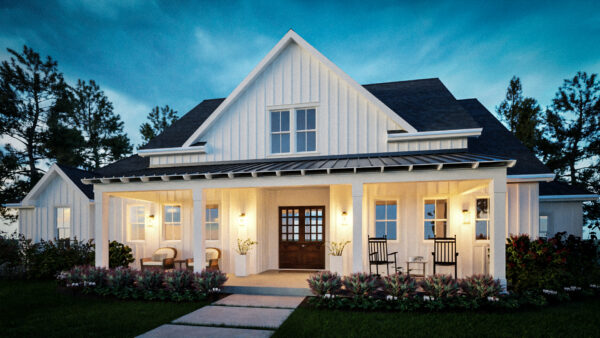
(241, 259)
(336, 263)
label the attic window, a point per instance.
(280, 132)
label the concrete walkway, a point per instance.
(233, 316)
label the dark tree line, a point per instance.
(43, 119)
(565, 136)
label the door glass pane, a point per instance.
(482, 208)
(481, 230)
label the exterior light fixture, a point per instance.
(242, 219)
(150, 221)
(344, 218)
(466, 216)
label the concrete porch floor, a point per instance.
(271, 282)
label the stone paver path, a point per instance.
(233, 316)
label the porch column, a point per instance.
(357, 230)
(198, 229)
(101, 229)
(498, 229)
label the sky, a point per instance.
(148, 53)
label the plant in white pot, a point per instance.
(241, 259)
(336, 263)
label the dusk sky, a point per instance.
(147, 53)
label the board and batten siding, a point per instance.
(39, 222)
(523, 209)
(563, 216)
(347, 122)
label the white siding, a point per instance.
(40, 222)
(523, 209)
(563, 216)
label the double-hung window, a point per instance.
(280, 132)
(63, 222)
(172, 223)
(436, 218)
(137, 223)
(482, 218)
(212, 222)
(306, 130)
(386, 214)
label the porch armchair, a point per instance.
(212, 260)
(378, 255)
(444, 253)
(162, 259)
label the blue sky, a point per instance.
(147, 53)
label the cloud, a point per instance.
(133, 112)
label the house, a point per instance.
(300, 154)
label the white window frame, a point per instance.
(218, 222)
(69, 226)
(547, 217)
(374, 218)
(165, 223)
(423, 219)
(293, 130)
(306, 131)
(488, 219)
(129, 224)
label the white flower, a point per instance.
(549, 292)
(389, 297)
(428, 298)
(492, 299)
(594, 286)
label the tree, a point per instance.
(101, 129)
(572, 136)
(29, 87)
(12, 188)
(158, 120)
(521, 114)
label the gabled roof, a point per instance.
(496, 140)
(293, 37)
(72, 176)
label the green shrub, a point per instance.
(481, 287)
(360, 284)
(209, 281)
(324, 282)
(179, 284)
(119, 255)
(440, 286)
(120, 283)
(45, 259)
(150, 284)
(399, 286)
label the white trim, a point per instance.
(292, 36)
(530, 178)
(18, 206)
(566, 198)
(427, 135)
(172, 151)
(45, 180)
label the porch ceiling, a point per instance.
(312, 165)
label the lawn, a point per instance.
(35, 308)
(578, 319)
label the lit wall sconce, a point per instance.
(242, 219)
(466, 216)
(344, 218)
(150, 221)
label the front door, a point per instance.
(302, 237)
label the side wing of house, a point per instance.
(56, 208)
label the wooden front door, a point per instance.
(302, 237)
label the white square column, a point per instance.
(198, 229)
(498, 229)
(101, 229)
(357, 228)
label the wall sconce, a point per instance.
(344, 218)
(150, 221)
(242, 219)
(466, 216)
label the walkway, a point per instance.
(233, 316)
(270, 282)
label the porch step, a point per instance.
(267, 290)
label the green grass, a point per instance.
(577, 319)
(36, 308)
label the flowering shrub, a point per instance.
(150, 284)
(440, 286)
(324, 282)
(360, 284)
(399, 286)
(121, 282)
(481, 287)
(209, 281)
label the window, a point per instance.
(482, 219)
(306, 130)
(172, 223)
(280, 132)
(212, 222)
(385, 219)
(436, 218)
(63, 222)
(137, 223)
(543, 226)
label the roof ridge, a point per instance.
(402, 81)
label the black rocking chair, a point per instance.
(378, 254)
(444, 253)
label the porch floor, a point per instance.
(270, 282)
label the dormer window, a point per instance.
(280, 132)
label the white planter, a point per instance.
(336, 264)
(241, 265)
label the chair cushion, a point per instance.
(158, 257)
(153, 263)
(169, 252)
(211, 254)
(190, 264)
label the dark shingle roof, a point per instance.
(561, 188)
(76, 175)
(495, 139)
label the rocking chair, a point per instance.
(378, 254)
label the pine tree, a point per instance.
(158, 120)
